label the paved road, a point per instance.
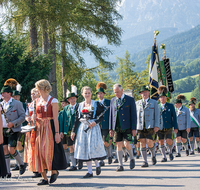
(181, 173)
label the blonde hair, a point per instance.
(86, 88)
(35, 91)
(43, 85)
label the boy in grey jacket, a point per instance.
(183, 120)
(147, 123)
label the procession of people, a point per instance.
(41, 138)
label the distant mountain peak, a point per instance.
(141, 16)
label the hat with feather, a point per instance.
(101, 86)
(73, 92)
(17, 91)
(193, 100)
(179, 99)
(9, 85)
(162, 91)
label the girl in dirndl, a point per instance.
(89, 145)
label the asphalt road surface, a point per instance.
(181, 173)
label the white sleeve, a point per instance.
(54, 100)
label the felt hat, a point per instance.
(72, 94)
(15, 93)
(144, 88)
(6, 88)
(101, 86)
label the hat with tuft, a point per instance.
(101, 86)
(179, 99)
(162, 89)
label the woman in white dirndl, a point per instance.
(89, 145)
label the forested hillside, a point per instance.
(181, 47)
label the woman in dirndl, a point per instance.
(28, 149)
(89, 145)
(47, 150)
(3, 169)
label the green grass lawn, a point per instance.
(185, 78)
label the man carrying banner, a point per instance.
(169, 122)
(147, 123)
(194, 125)
(183, 120)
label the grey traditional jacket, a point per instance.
(183, 118)
(150, 114)
(196, 114)
(15, 114)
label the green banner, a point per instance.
(163, 73)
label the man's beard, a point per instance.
(192, 108)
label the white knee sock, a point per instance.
(89, 166)
(96, 163)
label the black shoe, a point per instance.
(98, 170)
(15, 168)
(43, 182)
(171, 157)
(173, 150)
(88, 175)
(101, 163)
(187, 152)
(134, 152)
(198, 150)
(116, 161)
(164, 160)
(8, 175)
(132, 164)
(36, 174)
(54, 177)
(120, 168)
(22, 169)
(125, 158)
(68, 165)
(138, 156)
(167, 152)
(192, 153)
(154, 161)
(144, 165)
(178, 155)
(73, 168)
(109, 160)
(80, 165)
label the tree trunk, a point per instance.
(64, 63)
(52, 74)
(33, 27)
(45, 40)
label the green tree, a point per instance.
(125, 69)
(88, 79)
(74, 24)
(135, 81)
(104, 77)
(17, 63)
(196, 93)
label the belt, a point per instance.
(7, 134)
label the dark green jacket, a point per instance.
(105, 122)
(169, 116)
(66, 119)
